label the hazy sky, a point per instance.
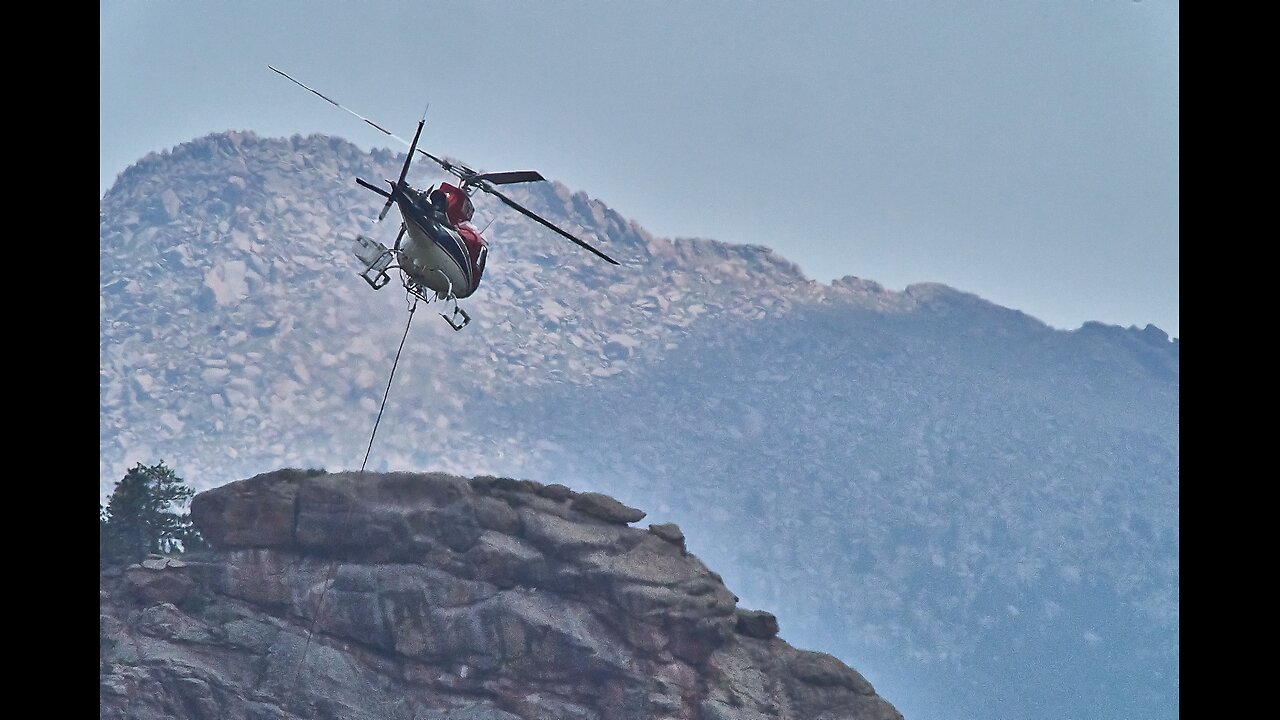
(1025, 151)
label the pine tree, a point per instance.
(139, 518)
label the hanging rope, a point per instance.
(315, 616)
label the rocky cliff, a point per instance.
(400, 595)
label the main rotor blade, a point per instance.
(506, 178)
(533, 216)
(442, 163)
(338, 105)
(467, 175)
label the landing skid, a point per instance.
(427, 294)
(378, 259)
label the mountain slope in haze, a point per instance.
(1008, 521)
(977, 510)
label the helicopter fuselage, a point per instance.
(433, 253)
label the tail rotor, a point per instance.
(398, 185)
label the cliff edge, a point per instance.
(430, 596)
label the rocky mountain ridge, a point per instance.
(244, 271)
(966, 501)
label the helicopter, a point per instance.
(439, 254)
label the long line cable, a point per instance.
(345, 523)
